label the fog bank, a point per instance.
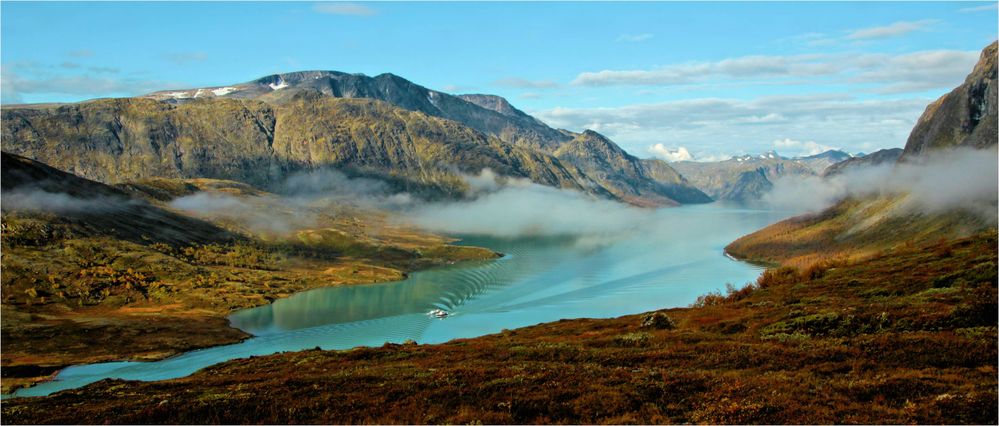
(505, 207)
(960, 179)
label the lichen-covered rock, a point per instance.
(658, 321)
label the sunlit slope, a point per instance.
(852, 229)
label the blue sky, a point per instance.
(673, 80)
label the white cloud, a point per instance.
(983, 8)
(81, 53)
(184, 58)
(669, 154)
(519, 208)
(909, 72)
(634, 38)
(741, 67)
(795, 148)
(14, 87)
(339, 8)
(893, 30)
(522, 83)
(913, 72)
(454, 88)
(719, 127)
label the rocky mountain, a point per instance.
(746, 178)
(258, 134)
(749, 187)
(884, 156)
(491, 115)
(114, 140)
(636, 181)
(964, 117)
(724, 179)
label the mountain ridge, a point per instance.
(519, 129)
(247, 139)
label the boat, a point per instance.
(438, 313)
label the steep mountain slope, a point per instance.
(964, 117)
(723, 179)
(637, 181)
(113, 140)
(884, 156)
(749, 187)
(867, 226)
(519, 129)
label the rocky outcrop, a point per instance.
(965, 117)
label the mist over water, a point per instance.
(676, 257)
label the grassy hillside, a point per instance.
(906, 337)
(853, 228)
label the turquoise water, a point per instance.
(666, 263)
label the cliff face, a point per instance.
(114, 140)
(965, 117)
(117, 140)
